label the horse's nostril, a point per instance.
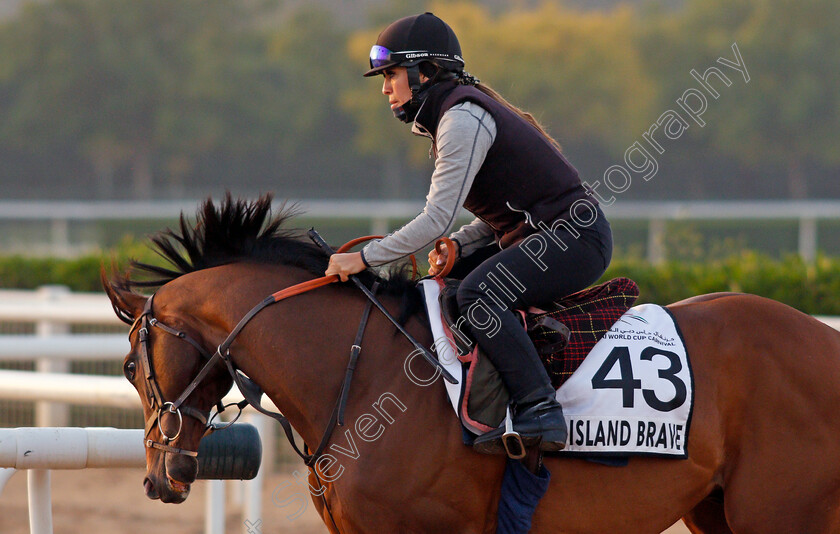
(149, 486)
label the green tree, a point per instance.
(787, 116)
(133, 83)
(578, 72)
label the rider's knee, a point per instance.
(467, 295)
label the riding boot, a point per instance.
(537, 416)
(541, 422)
(545, 419)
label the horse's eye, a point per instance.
(129, 369)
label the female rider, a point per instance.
(538, 235)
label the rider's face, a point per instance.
(395, 86)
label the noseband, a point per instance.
(249, 389)
(159, 406)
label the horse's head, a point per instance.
(238, 253)
(168, 350)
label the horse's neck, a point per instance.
(298, 350)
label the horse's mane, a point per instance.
(241, 230)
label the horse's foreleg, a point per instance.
(708, 516)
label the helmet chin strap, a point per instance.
(414, 83)
(402, 115)
(408, 111)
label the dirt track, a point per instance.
(99, 501)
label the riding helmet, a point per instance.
(420, 43)
(414, 39)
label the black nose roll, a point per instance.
(234, 453)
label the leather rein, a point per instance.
(250, 391)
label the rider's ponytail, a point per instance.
(465, 78)
(489, 91)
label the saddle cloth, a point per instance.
(631, 395)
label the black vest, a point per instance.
(523, 172)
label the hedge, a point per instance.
(812, 288)
(79, 274)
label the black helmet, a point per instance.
(412, 40)
(409, 42)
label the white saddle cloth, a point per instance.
(632, 395)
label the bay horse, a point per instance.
(764, 444)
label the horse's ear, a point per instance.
(127, 304)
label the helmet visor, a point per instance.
(382, 58)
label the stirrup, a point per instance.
(512, 441)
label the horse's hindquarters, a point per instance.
(766, 381)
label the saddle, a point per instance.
(563, 335)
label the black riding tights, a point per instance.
(541, 268)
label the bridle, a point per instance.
(158, 405)
(250, 391)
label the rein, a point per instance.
(250, 391)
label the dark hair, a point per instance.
(489, 91)
(439, 72)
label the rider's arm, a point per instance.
(472, 237)
(465, 134)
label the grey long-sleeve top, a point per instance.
(464, 135)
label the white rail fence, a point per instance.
(53, 309)
(380, 213)
(41, 450)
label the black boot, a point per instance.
(536, 423)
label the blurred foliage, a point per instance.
(809, 288)
(79, 274)
(787, 116)
(162, 98)
(128, 82)
(687, 244)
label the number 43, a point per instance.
(628, 384)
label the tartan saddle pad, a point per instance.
(588, 314)
(576, 323)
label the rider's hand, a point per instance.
(345, 264)
(438, 261)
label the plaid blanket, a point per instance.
(588, 314)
